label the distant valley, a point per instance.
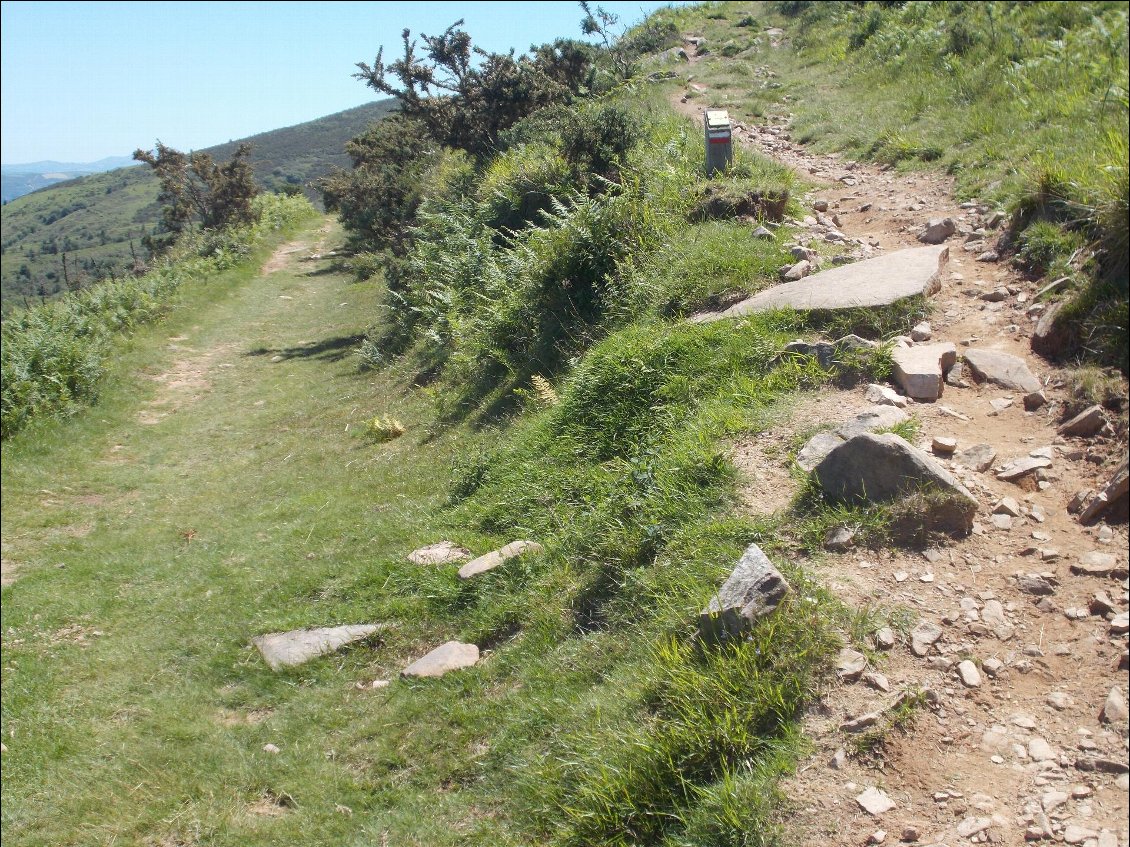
(20, 179)
(98, 219)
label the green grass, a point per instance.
(263, 505)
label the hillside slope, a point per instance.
(552, 361)
(96, 220)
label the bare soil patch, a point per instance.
(185, 382)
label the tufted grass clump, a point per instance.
(384, 428)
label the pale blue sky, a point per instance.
(81, 81)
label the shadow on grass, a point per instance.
(328, 350)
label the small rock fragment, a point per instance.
(1040, 751)
(877, 681)
(1095, 564)
(923, 637)
(850, 664)
(1007, 506)
(754, 588)
(1019, 468)
(881, 395)
(979, 457)
(943, 445)
(1114, 709)
(440, 553)
(838, 539)
(937, 230)
(970, 826)
(922, 332)
(493, 559)
(875, 802)
(885, 638)
(1085, 424)
(970, 676)
(450, 656)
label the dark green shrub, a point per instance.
(595, 140)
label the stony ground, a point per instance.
(1014, 656)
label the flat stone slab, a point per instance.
(1002, 369)
(493, 559)
(440, 553)
(288, 649)
(875, 802)
(882, 281)
(451, 656)
(1020, 467)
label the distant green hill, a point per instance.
(97, 219)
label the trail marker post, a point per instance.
(719, 143)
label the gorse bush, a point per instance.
(526, 264)
(55, 354)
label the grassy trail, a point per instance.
(219, 491)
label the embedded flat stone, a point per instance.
(496, 557)
(440, 553)
(979, 457)
(452, 656)
(1017, 468)
(875, 282)
(287, 649)
(1002, 369)
(875, 802)
(919, 370)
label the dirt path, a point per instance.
(1034, 749)
(286, 254)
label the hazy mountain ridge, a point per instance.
(97, 219)
(19, 179)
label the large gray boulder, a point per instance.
(1002, 369)
(881, 468)
(287, 649)
(753, 589)
(914, 272)
(823, 443)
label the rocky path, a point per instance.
(997, 712)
